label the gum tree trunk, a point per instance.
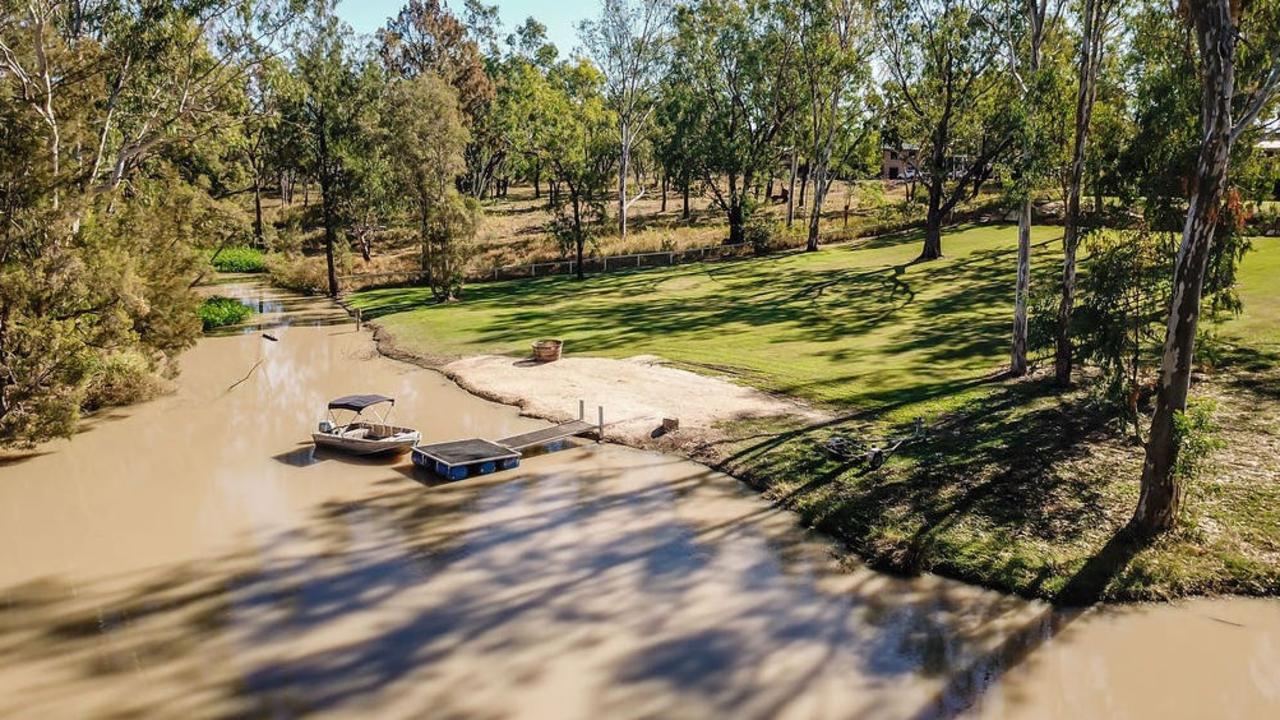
(791, 191)
(624, 163)
(820, 187)
(326, 201)
(257, 211)
(933, 223)
(1036, 11)
(1161, 494)
(1086, 92)
(1018, 354)
(579, 238)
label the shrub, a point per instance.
(299, 273)
(762, 232)
(1118, 321)
(1266, 221)
(219, 311)
(288, 234)
(121, 379)
(1198, 437)
(446, 245)
(239, 259)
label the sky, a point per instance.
(560, 16)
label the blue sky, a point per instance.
(560, 16)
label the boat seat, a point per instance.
(356, 434)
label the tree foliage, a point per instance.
(425, 136)
(113, 131)
(737, 58)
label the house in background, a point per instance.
(904, 163)
(900, 163)
(1270, 147)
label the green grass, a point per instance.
(239, 259)
(219, 311)
(855, 324)
(1018, 486)
(1259, 273)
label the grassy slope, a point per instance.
(852, 325)
(1017, 487)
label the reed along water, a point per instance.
(194, 557)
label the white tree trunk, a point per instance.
(1161, 493)
(1018, 354)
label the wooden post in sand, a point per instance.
(600, 425)
(358, 324)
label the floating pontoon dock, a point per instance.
(461, 459)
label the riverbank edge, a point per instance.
(698, 449)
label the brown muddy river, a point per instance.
(193, 557)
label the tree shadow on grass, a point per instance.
(1255, 370)
(1010, 466)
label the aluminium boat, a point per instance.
(364, 434)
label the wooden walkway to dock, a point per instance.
(464, 458)
(549, 435)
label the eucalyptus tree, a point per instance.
(339, 90)
(834, 70)
(1095, 20)
(1239, 72)
(738, 59)
(677, 116)
(265, 88)
(574, 138)
(629, 43)
(947, 84)
(424, 138)
(427, 37)
(1025, 25)
(529, 42)
(101, 220)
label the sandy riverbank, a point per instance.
(637, 394)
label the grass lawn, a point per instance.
(1259, 274)
(853, 325)
(1017, 486)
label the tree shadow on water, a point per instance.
(966, 686)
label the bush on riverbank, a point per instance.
(299, 274)
(240, 260)
(122, 378)
(216, 312)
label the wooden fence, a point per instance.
(593, 265)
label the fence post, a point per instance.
(357, 318)
(600, 426)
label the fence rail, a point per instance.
(601, 264)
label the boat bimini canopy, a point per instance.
(359, 403)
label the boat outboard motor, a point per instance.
(326, 426)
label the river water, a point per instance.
(194, 557)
